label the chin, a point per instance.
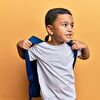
(67, 40)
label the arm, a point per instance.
(23, 45)
(85, 53)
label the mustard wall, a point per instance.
(20, 19)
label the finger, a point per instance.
(74, 47)
(73, 41)
(27, 43)
(25, 46)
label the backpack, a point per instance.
(31, 68)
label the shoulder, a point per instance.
(45, 45)
(39, 46)
(42, 44)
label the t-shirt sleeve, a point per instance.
(79, 53)
(32, 53)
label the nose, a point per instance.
(69, 28)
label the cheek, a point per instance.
(60, 31)
(60, 35)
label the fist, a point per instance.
(25, 44)
(78, 45)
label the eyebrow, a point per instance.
(67, 22)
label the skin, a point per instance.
(61, 31)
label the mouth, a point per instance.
(69, 35)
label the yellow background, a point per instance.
(20, 19)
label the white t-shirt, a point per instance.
(55, 70)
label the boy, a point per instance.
(55, 57)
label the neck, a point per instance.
(54, 42)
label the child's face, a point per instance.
(62, 28)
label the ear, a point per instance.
(49, 29)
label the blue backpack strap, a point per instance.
(74, 51)
(75, 57)
(34, 40)
(31, 68)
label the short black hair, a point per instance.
(53, 13)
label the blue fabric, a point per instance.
(31, 68)
(74, 52)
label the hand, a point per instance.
(85, 53)
(25, 44)
(78, 45)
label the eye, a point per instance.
(64, 25)
(72, 25)
(67, 24)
